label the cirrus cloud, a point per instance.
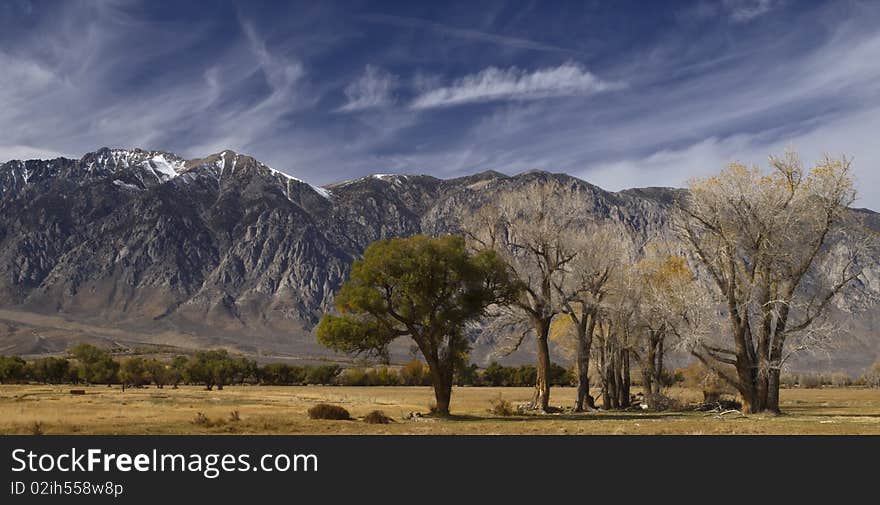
(373, 89)
(493, 84)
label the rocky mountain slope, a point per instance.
(143, 247)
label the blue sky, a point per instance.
(621, 94)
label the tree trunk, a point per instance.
(658, 365)
(441, 379)
(583, 386)
(442, 395)
(773, 392)
(584, 343)
(541, 398)
(648, 387)
(623, 390)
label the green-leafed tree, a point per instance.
(424, 288)
(177, 372)
(159, 372)
(96, 366)
(133, 372)
(211, 368)
(12, 369)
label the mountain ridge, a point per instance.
(224, 250)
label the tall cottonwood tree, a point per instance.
(531, 232)
(616, 334)
(582, 287)
(424, 288)
(761, 236)
(671, 305)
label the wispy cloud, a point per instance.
(82, 80)
(743, 11)
(464, 33)
(852, 135)
(372, 89)
(736, 11)
(493, 84)
(78, 76)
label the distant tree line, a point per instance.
(87, 364)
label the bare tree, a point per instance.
(531, 231)
(616, 334)
(582, 288)
(671, 305)
(760, 236)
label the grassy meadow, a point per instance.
(36, 409)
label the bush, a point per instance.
(327, 411)
(374, 377)
(415, 373)
(386, 377)
(523, 376)
(352, 377)
(660, 402)
(377, 417)
(501, 407)
(322, 374)
(698, 376)
(280, 374)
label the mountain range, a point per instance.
(128, 248)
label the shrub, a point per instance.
(414, 373)
(327, 411)
(234, 416)
(322, 374)
(387, 377)
(501, 407)
(377, 417)
(201, 420)
(660, 402)
(352, 377)
(698, 376)
(280, 374)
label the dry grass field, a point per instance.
(282, 410)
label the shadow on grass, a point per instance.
(812, 414)
(587, 416)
